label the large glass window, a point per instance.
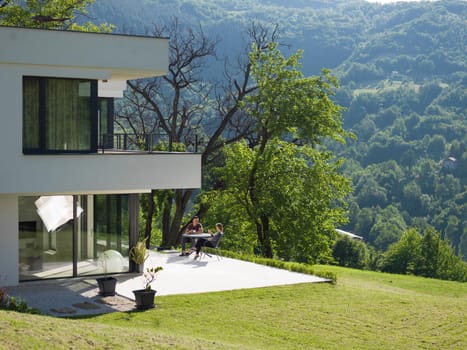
(112, 222)
(106, 109)
(73, 235)
(59, 115)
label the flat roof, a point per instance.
(77, 31)
(116, 56)
(349, 234)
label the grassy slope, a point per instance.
(364, 310)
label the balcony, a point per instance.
(124, 163)
(148, 143)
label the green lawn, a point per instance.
(364, 310)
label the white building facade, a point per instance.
(64, 204)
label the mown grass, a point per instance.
(364, 310)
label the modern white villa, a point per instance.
(67, 208)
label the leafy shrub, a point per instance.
(401, 256)
(426, 255)
(12, 303)
(285, 265)
(350, 252)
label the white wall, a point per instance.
(115, 58)
(127, 57)
(9, 240)
(92, 173)
(102, 173)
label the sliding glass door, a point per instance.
(73, 235)
(112, 232)
(45, 237)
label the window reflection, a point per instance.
(49, 235)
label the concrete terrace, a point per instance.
(181, 275)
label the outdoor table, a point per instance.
(195, 236)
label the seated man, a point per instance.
(193, 227)
(209, 242)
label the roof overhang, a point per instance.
(115, 58)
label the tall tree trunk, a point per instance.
(264, 238)
(267, 247)
(166, 210)
(171, 222)
(261, 219)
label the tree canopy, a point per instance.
(49, 14)
(288, 186)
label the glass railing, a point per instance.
(153, 142)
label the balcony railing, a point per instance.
(153, 142)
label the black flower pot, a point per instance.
(106, 285)
(144, 298)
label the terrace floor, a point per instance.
(180, 275)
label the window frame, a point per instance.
(42, 127)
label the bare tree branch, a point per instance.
(187, 108)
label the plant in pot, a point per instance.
(144, 298)
(138, 253)
(106, 284)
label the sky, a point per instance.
(389, 1)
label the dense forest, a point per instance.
(402, 74)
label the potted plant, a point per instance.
(106, 284)
(144, 298)
(138, 253)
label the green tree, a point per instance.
(370, 193)
(49, 14)
(438, 260)
(402, 256)
(412, 197)
(450, 265)
(436, 147)
(463, 245)
(298, 109)
(186, 108)
(388, 228)
(350, 252)
(297, 188)
(426, 172)
(389, 175)
(408, 159)
(224, 207)
(365, 219)
(365, 129)
(452, 232)
(428, 256)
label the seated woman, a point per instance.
(211, 241)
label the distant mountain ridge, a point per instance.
(329, 31)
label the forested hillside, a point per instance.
(403, 73)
